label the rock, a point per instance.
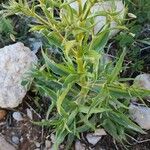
(79, 145)
(29, 113)
(92, 138)
(4, 145)
(15, 61)
(105, 59)
(141, 115)
(132, 15)
(142, 81)
(61, 147)
(100, 132)
(15, 140)
(3, 113)
(52, 138)
(17, 116)
(101, 20)
(35, 44)
(48, 144)
(37, 144)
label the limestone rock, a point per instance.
(4, 145)
(141, 115)
(17, 116)
(92, 139)
(100, 21)
(143, 81)
(79, 146)
(15, 61)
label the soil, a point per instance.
(30, 134)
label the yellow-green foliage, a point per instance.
(86, 93)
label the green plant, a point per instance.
(136, 39)
(86, 93)
(6, 30)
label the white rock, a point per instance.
(143, 81)
(105, 6)
(29, 113)
(15, 140)
(100, 132)
(92, 138)
(141, 115)
(35, 44)
(105, 59)
(15, 61)
(48, 144)
(79, 145)
(37, 144)
(17, 116)
(52, 138)
(4, 145)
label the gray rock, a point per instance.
(15, 61)
(35, 44)
(52, 138)
(4, 145)
(141, 115)
(100, 132)
(142, 81)
(29, 113)
(17, 116)
(93, 139)
(100, 21)
(48, 144)
(79, 145)
(37, 144)
(15, 140)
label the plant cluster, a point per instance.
(136, 39)
(85, 91)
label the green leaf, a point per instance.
(86, 110)
(69, 81)
(126, 122)
(118, 68)
(99, 41)
(54, 38)
(111, 128)
(55, 67)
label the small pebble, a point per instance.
(48, 144)
(52, 138)
(3, 113)
(15, 140)
(61, 147)
(37, 144)
(100, 132)
(93, 139)
(29, 113)
(141, 115)
(21, 139)
(79, 146)
(17, 116)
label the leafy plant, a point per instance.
(6, 30)
(85, 91)
(136, 39)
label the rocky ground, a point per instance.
(17, 129)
